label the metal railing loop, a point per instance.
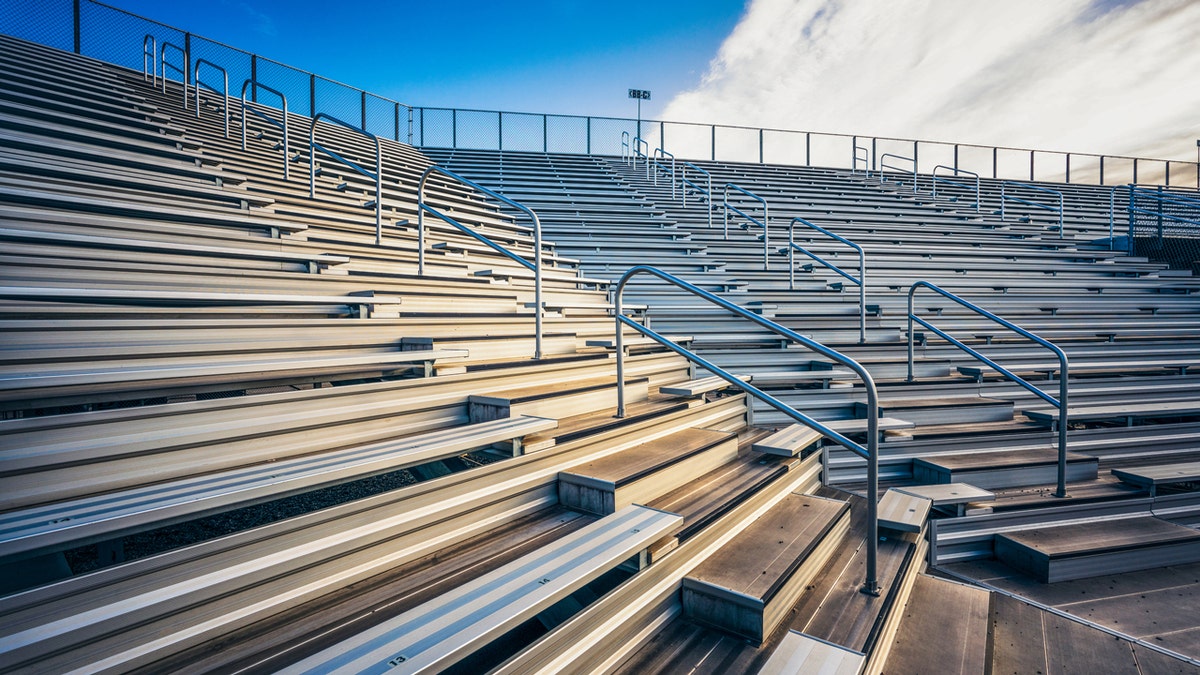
(224, 91)
(281, 126)
(1005, 197)
(638, 142)
(870, 453)
(934, 180)
(1060, 403)
(863, 155)
(662, 168)
(626, 150)
(162, 61)
(706, 190)
(150, 58)
(727, 206)
(535, 266)
(860, 280)
(883, 164)
(313, 146)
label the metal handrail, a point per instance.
(865, 159)
(726, 207)
(638, 142)
(884, 165)
(662, 167)
(535, 266)
(283, 127)
(870, 453)
(162, 60)
(1060, 403)
(224, 89)
(313, 146)
(861, 280)
(1004, 197)
(707, 191)
(150, 51)
(626, 153)
(956, 171)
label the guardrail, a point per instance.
(727, 206)
(860, 280)
(224, 92)
(883, 164)
(626, 151)
(870, 453)
(956, 172)
(150, 51)
(863, 155)
(313, 146)
(283, 127)
(706, 190)
(535, 266)
(1005, 197)
(659, 152)
(1060, 403)
(162, 60)
(638, 142)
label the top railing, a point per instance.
(870, 453)
(89, 30)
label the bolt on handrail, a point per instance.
(865, 158)
(626, 153)
(638, 142)
(1005, 197)
(535, 266)
(861, 279)
(162, 61)
(659, 152)
(224, 88)
(727, 206)
(150, 57)
(313, 146)
(1060, 403)
(884, 165)
(706, 191)
(283, 127)
(870, 453)
(955, 171)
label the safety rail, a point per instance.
(1060, 403)
(1005, 197)
(955, 171)
(626, 152)
(638, 142)
(662, 168)
(281, 126)
(150, 57)
(224, 89)
(884, 165)
(870, 453)
(162, 60)
(535, 266)
(861, 280)
(1160, 214)
(865, 158)
(727, 206)
(378, 175)
(706, 190)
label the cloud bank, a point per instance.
(1101, 76)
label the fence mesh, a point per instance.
(1164, 226)
(50, 22)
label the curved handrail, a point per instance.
(726, 207)
(284, 126)
(162, 60)
(870, 453)
(659, 152)
(706, 191)
(150, 51)
(865, 158)
(1060, 403)
(638, 142)
(535, 266)
(1004, 197)
(626, 153)
(224, 88)
(884, 165)
(861, 280)
(378, 175)
(956, 171)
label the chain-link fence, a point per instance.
(113, 35)
(1164, 226)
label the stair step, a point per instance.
(903, 512)
(1164, 474)
(646, 471)
(791, 440)
(798, 653)
(943, 629)
(950, 410)
(962, 496)
(750, 585)
(557, 401)
(1098, 548)
(1014, 468)
(699, 386)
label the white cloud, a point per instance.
(1103, 76)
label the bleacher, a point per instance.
(246, 428)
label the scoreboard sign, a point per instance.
(643, 94)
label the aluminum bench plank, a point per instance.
(800, 654)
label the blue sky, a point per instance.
(564, 56)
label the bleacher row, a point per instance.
(241, 435)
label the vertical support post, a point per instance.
(956, 158)
(1135, 160)
(589, 135)
(253, 76)
(874, 154)
(1031, 165)
(760, 146)
(187, 72)
(1068, 168)
(1168, 169)
(1160, 216)
(422, 127)
(713, 144)
(1102, 169)
(808, 149)
(76, 10)
(500, 130)
(454, 128)
(545, 125)
(662, 135)
(363, 109)
(312, 95)
(396, 123)
(916, 147)
(1132, 205)
(995, 163)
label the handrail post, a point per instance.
(149, 51)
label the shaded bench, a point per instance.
(1151, 477)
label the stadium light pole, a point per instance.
(640, 95)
